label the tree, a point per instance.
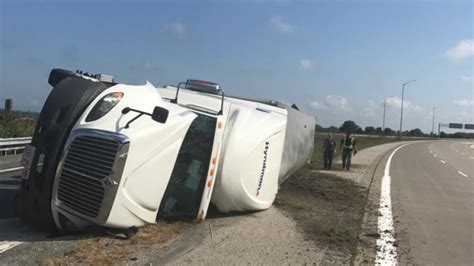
(331, 129)
(348, 125)
(415, 132)
(378, 131)
(388, 131)
(370, 130)
(318, 128)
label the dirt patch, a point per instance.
(105, 250)
(327, 208)
(98, 251)
(157, 233)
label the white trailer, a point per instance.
(139, 153)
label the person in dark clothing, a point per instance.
(348, 147)
(329, 148)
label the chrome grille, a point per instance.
(86, 172)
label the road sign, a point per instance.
(468, 126)
(455, 125)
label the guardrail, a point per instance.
(13, 146)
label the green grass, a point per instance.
(362, 142)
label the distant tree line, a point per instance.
(457, 135)
(17, 124)
(369, 130)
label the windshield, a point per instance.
(184, 191)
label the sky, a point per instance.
(336, 60)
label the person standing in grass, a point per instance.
(348, 148)
(329, 148)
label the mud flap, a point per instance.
(63, 107)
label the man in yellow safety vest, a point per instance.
(348, 148)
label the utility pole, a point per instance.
(401, 109)
(384, 107)
(432, 126)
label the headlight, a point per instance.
(103, 106)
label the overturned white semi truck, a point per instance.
(120, 156)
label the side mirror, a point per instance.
(160, 114)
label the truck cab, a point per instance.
(120, 156)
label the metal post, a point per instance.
(432, 126)
(439, 130)
(384, 107)
(401, 111)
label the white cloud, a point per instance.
(395, 102)
(370, 109)
(306, 64)
(336, 102)
(318, 106)
(279, 24)
(177, 28)
(467, 78)
(464, 103)
(463, 49)
(331, 102)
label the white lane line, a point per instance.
(461, 173)
(386, 249)
(462, 153)
(11, 169)
(443, 162)
(434, 155)
(6, 245)
(471, 157)
(431, 151)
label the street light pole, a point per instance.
(401, 112)
(432, 126)
(384, 107)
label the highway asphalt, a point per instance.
(9, 184)
(433, 202)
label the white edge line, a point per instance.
(461, 173)
(11, 169)
(442, 161)
(386, 249)
(8, 245)
(434, 155)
